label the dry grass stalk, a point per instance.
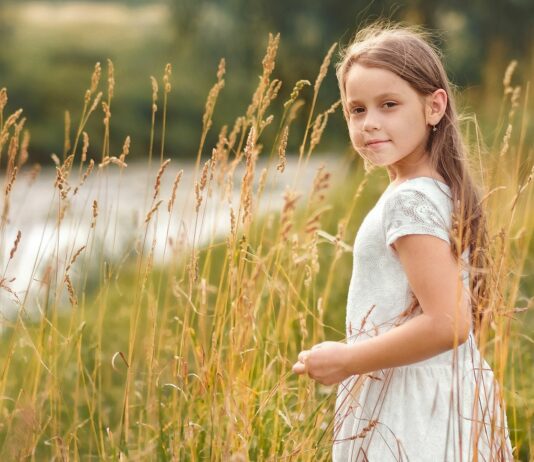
(320, 184)
(107, 114)
(96, 101)
(193, 271)
(152, 211)
(11, 120)
(212, 96)
(270, 95)
(282, 161)
(261, 181)
(125, 149)
(506, 141)
(507, 79)
(514, 101)
(198, 197)
(167, 78)
(14, 146)
(295, 93)
(268, 64)
(239, 124)
(4, 285)
(85, 146)
(111, 79)
(302, 324)
(62, 174)
(154, 84)
(320, 77)
(95, 78)
(324, 68)
(3, 141)
(157, 184)
(72, 295)
(232, 222)
(266, 122)
(210, 107)
(313, 251)
(23, 154)
(290, 199)
(220, 156)
(9, 185)
(177, 179)
(248, 178)
(73, 259)
(3, 102)
(95, 213)
(220, 153)
(112, 160)
(55, 159)
(85, 175)
(15, 245)
(66, 142)
(204, 175)
(294, 111)
(320, 124)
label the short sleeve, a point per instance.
(411, 211)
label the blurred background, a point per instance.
(48, 51)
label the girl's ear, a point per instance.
(436, 103)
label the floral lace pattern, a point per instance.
(411, 211)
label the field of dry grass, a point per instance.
(118, 355)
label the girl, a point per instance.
(413, 383)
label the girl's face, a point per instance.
(387, 120)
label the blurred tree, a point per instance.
(478, 39)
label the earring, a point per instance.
(434, 129)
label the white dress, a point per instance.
(425, 411)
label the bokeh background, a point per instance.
(48, 51)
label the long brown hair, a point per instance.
(407, 52)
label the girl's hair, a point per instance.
(407, 52)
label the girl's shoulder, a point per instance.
(421, 205)
(421, 200)
(420, 189)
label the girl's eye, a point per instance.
(390, 104)
(357, 110)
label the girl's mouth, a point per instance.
(376, 143)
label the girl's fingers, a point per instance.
(316, 347)
(299, 368)
(303, 355)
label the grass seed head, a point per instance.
(95, 78)
(15, 245)
(174, 187)
(282, 161)
(161, 170)
(85, 146)
(3, 99)
(111, 79)
(324, 68)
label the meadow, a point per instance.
(112, 354)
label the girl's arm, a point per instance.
(435, 279)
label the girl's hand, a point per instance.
(326, 362)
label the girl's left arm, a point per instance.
(435, 279)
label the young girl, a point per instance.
(413, 383)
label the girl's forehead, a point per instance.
(369, 82)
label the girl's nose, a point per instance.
(370, 122)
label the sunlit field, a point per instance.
(169, 332)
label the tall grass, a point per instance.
(122, 356)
